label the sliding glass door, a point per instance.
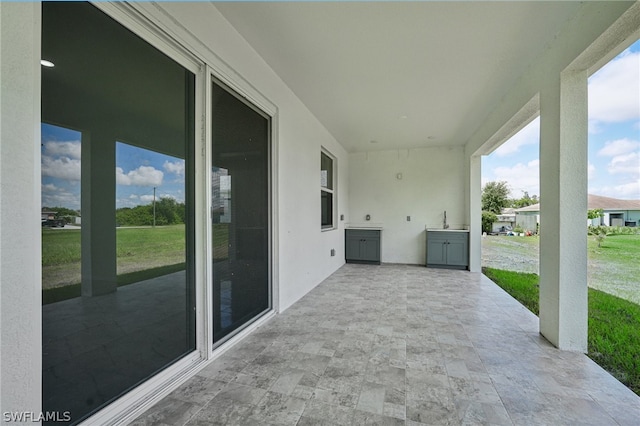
(240, 189)
(118, 210)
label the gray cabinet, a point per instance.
(362, 246)
(448, 249)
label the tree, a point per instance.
(167, 211)
(488, 218)
(495, 197)
(595, 213)
(525, 201)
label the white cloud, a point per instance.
(619, 147)
(625, 164)
(60, 197)
(591, 171)
(625, 191)
(146, 198)
(142, 176)
(62, 168)
(69, 149)
(528, 135)
(614, 91)
(176, 167)
(521, 177)
(172, 196)
(49, 187)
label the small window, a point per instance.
(327, 192)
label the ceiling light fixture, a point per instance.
(46, 63)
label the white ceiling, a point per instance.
(402, 74)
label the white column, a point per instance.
(475, 213)
(98, 235)
(20, 239)
(563, 209)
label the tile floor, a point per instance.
(395, 344)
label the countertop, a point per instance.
(446, 230)
(371, 226)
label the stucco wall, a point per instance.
(20, 294)
(303, 254)
(432, 181)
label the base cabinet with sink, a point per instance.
(448, 249)
(362, 246)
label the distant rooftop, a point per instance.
(596, 202)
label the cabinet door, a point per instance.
(436, 252)
(352, 248)
(456, 252)
(370, 249)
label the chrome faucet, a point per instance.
(444, 222)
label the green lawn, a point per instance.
(613, 268)
(614, 324)
(141, 252)
(142, 244)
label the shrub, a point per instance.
(488, 218)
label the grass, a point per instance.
(612, 268)
(164, 244)
(622, 250)
(522, 286)
(614, 324)
(141, 253)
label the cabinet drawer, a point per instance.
(447, 235)
(363, 233)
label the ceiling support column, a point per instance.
(98, 190)
(475, 213)
(563, 194)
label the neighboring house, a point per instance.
(506, 221)
(45, 214)
(615, 212)
(394, 103)
(528, 217)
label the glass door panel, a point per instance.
(240, 202)
(118, 257)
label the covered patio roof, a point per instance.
(400, 74)
(397, 344)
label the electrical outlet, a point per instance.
(408, 218)
(333, 252)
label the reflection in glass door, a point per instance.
(118, 292)
(240, 201)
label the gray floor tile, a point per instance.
(398, 344)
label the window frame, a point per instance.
(331, 191)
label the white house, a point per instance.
(615, 212)
(393, 103)
(506, 220)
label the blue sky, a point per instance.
(614, 137)
(138, 171)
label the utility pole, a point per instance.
(154, 206)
